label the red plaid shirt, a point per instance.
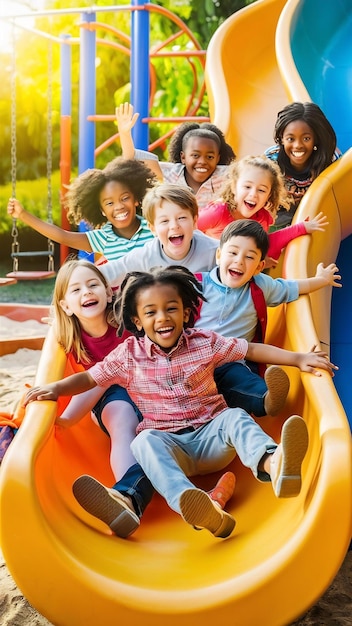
(176, 389)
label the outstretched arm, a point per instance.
(70, 386)
(126, 119)
(307, 362)
(79, 406)
(324, 276)
(79, 241)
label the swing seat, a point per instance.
(8, 280)
(30, 275)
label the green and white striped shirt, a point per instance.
(113, 247)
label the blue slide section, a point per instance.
(321, 45)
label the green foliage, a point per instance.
(175, 77)
(33, 195)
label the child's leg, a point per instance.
(244, 389)
(120, 420)
(121, 506)
(167, 460)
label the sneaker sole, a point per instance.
(278, 384)
(198, 509)
(95, 499)
(294, 441)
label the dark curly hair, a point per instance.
(82, 197)
(324, 134)
(186, 284)
(205, 130)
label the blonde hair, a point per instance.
(177, 194)
(278, 194)
(67, 327)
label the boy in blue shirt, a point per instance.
(237, 293)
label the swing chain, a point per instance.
(49, 154)
(13, 115)
(15, 247)
(49, 146)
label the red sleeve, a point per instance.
(264, 218)
(213, 218)
(280, 238)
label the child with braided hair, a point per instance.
(198, 155)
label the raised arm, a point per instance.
(70, 386)
(324, 276)
(79, 241)
(306, 362)
(126, 119)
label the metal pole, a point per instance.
(139, 72)
(87, 95)
(65, 133)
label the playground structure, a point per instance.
(144, 83)
(283, 555)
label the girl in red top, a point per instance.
(255, 190)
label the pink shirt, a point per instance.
(173, 389)
(215, 216)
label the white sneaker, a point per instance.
(285, 463)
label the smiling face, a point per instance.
(201, 156)
(118, 204)
(298, 142)
(161, 314)
(87, 297)
(239, 260)
(251, 190)
(174, 227)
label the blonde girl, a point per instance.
(255, 190)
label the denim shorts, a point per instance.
(112, 394)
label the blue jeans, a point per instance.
(135, 484)
(169, 458)
(241, 387)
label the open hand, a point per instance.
(125, 117)
(315, 360)
(317, 223)
(329, 274)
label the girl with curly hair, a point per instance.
(109, 201)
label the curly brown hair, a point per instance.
(82, 197)
(278, 194)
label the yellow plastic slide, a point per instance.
(282, 555)
(244, 84)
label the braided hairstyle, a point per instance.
(186, 284)
(206, 131)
